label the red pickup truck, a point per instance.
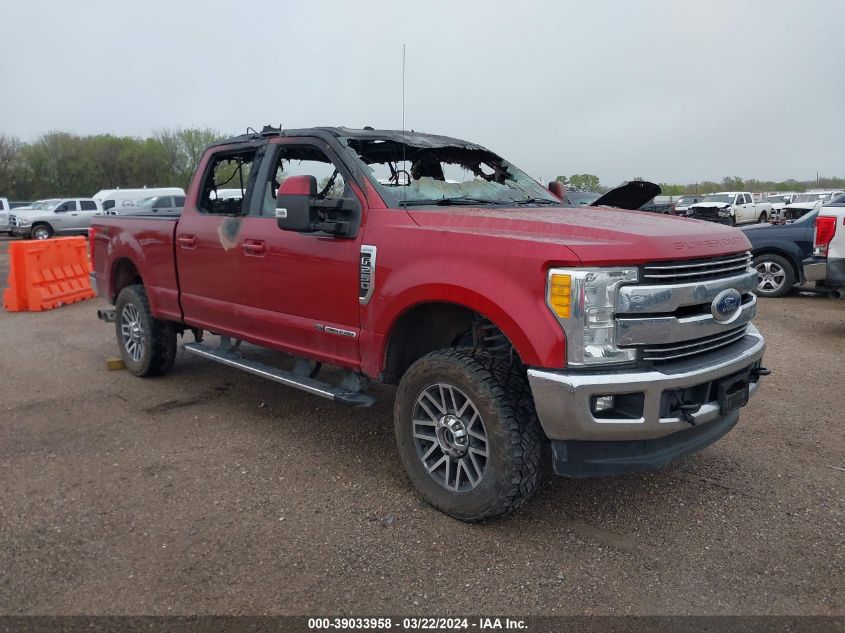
(506, 320)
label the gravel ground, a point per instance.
(212, 491)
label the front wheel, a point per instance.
(775, 276)
(41, 232)
(467, 433)
(147, 345)
(763, 218)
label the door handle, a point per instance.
(254, 247)
(187, 241)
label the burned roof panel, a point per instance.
(408, 137)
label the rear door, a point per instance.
(208, 242)
(302, 289)
(87, 211)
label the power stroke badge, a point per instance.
(367, 273)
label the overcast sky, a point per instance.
(674, 90)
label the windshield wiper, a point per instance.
(443, 202)
(537, 201)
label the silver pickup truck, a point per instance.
(61, 216)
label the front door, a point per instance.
(301, 289)
(64, 216)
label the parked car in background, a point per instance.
(67, 216)
(829, 247)
(655, 205)
(118, 198)
(6, 207)
(629, 195)
(161, 205)
(573, 198)
(779, 251)
(5, 225)
(683, 203)
(17, 204)
(778, 202)
(803, 203)
(730, 207)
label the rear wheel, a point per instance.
(147, 345)
(42, 232)
(468, 434)
(775, 275)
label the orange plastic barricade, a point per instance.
(46, 274)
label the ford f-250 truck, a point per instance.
(506, 320)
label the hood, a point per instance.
(711, 205)
(595, 236)
(766, 230)
(632, 195)
(24, 212)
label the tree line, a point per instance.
(64, 164)
(590, 182)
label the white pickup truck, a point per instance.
(829, 248)
(731, 207)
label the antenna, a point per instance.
(404, 164)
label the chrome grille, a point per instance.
(696, 269)
(674, 351)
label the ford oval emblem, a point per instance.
(726, 305)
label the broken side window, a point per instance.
(225, 182)
(304, 160)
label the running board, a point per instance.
(289, 378)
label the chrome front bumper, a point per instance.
(563, 399)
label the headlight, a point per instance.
(584, 302)
(724, 213)
(23, 221)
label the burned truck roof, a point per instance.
(359, 138)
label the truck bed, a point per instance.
(147, 240)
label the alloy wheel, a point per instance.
(132, 332)
(770, 277)
(450, 437)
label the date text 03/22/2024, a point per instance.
(417, 624)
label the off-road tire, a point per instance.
(503, 399)
(159, 337)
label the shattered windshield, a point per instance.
(427, 171)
